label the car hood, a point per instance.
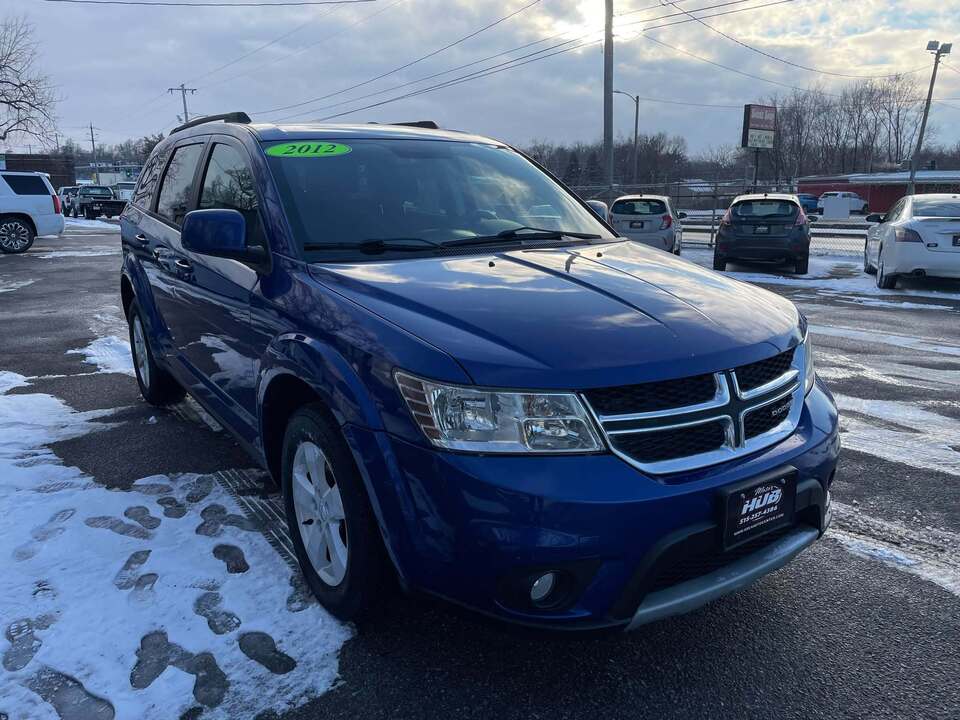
(576, 317)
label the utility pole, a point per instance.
(608, 95)
(183, 94)
(93, 149)
(938, 51)
(636, 130)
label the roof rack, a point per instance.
(230, 117)
(425, 124)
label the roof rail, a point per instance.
(230, 117)
(425, 124)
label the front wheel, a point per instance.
(867, 267)
(156, 385)
(332, 525)
(16, 236)
(719, 263)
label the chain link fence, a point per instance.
(705, 203)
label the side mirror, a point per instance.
(681, 215)
(875, 218)
(220, 233)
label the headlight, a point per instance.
(809, 374)
(456, 417)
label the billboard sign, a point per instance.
(759, 126)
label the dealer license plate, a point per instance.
(761, 230)
(636, 224)
(758, 507)
(956, 240)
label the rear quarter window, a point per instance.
(639, 207)
(26, 184)
(147, 183)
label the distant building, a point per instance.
(60, 168)
(882, 190)
(110, 173)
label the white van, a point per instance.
(28, 207)
(856, 203)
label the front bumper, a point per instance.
(473, 528)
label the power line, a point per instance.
(405, 66)
(171, 3)
(783, 60)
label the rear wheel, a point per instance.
(865, 209)
(334, 532)
(156, 385)
(885, 281)
(719, 262)
(16, 236)
(802, 265)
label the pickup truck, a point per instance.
(92, 201)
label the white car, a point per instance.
(28, 207)
(856, 203)
(920, 235)
(649, 219)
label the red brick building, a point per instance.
(882, 190)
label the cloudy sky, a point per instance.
(114, 63)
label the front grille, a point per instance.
(653, 396)
(701, 564)
(757, 422)
(669, 444)
(763, 371)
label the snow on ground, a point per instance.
(92, 251)
(11, 285)
(91, 225)
(145, 603)
(905, 341)
(110, 354)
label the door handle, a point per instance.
(183, 264)
(141, 238)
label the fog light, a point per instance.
(542, 587)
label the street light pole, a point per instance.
(938, 51)
(608, 94)
(636, 130)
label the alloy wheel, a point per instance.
(140, 356)
(14, 236)
(319, 511)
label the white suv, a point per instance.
(28, 207)
(856, 203)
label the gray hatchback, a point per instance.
(771, 227)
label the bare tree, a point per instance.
(27, 97)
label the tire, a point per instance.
(867, 267)
(865, 210)
(802, 265)
(885, 281)
(719, 263)
(156, 385)
(16, 236)
(345, 565)
(88, 214)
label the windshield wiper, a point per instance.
(523, 232)
(373, 246)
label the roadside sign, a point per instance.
(759, 126)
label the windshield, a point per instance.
(639, 207)
(936, 208)
(420, 191)
(764, 209)
(96, 190)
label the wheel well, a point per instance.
(126, 294)
(285, 395)
(21, 216)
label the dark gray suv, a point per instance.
(770, 227)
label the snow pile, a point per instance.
(11, 285)
(98, 225)
(140, 604)
(110, 355)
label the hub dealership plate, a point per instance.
(758, 507)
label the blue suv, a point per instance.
(460, 377)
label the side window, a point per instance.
(147, 183)
(895, 211)
(177, 187)
(228, 184)
(27, 184)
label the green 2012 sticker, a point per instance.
(308, 149)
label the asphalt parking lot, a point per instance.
(96, 486)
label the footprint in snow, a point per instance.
(118, 526)
(142, 592)
(198, 489)
(157, 653)
(220, 621)
(261, 648)
(141, 515)
(42, 533)
(232, 557)
(172, 508)
(300, 597)
(70, 699)
(216, 516)
(23, 643)
(127, 575)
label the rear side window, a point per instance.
(764, 209)
(228, 184)
(27, 184)
(639, 207)
(936, 208)
(143, 195)
(177, 187)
